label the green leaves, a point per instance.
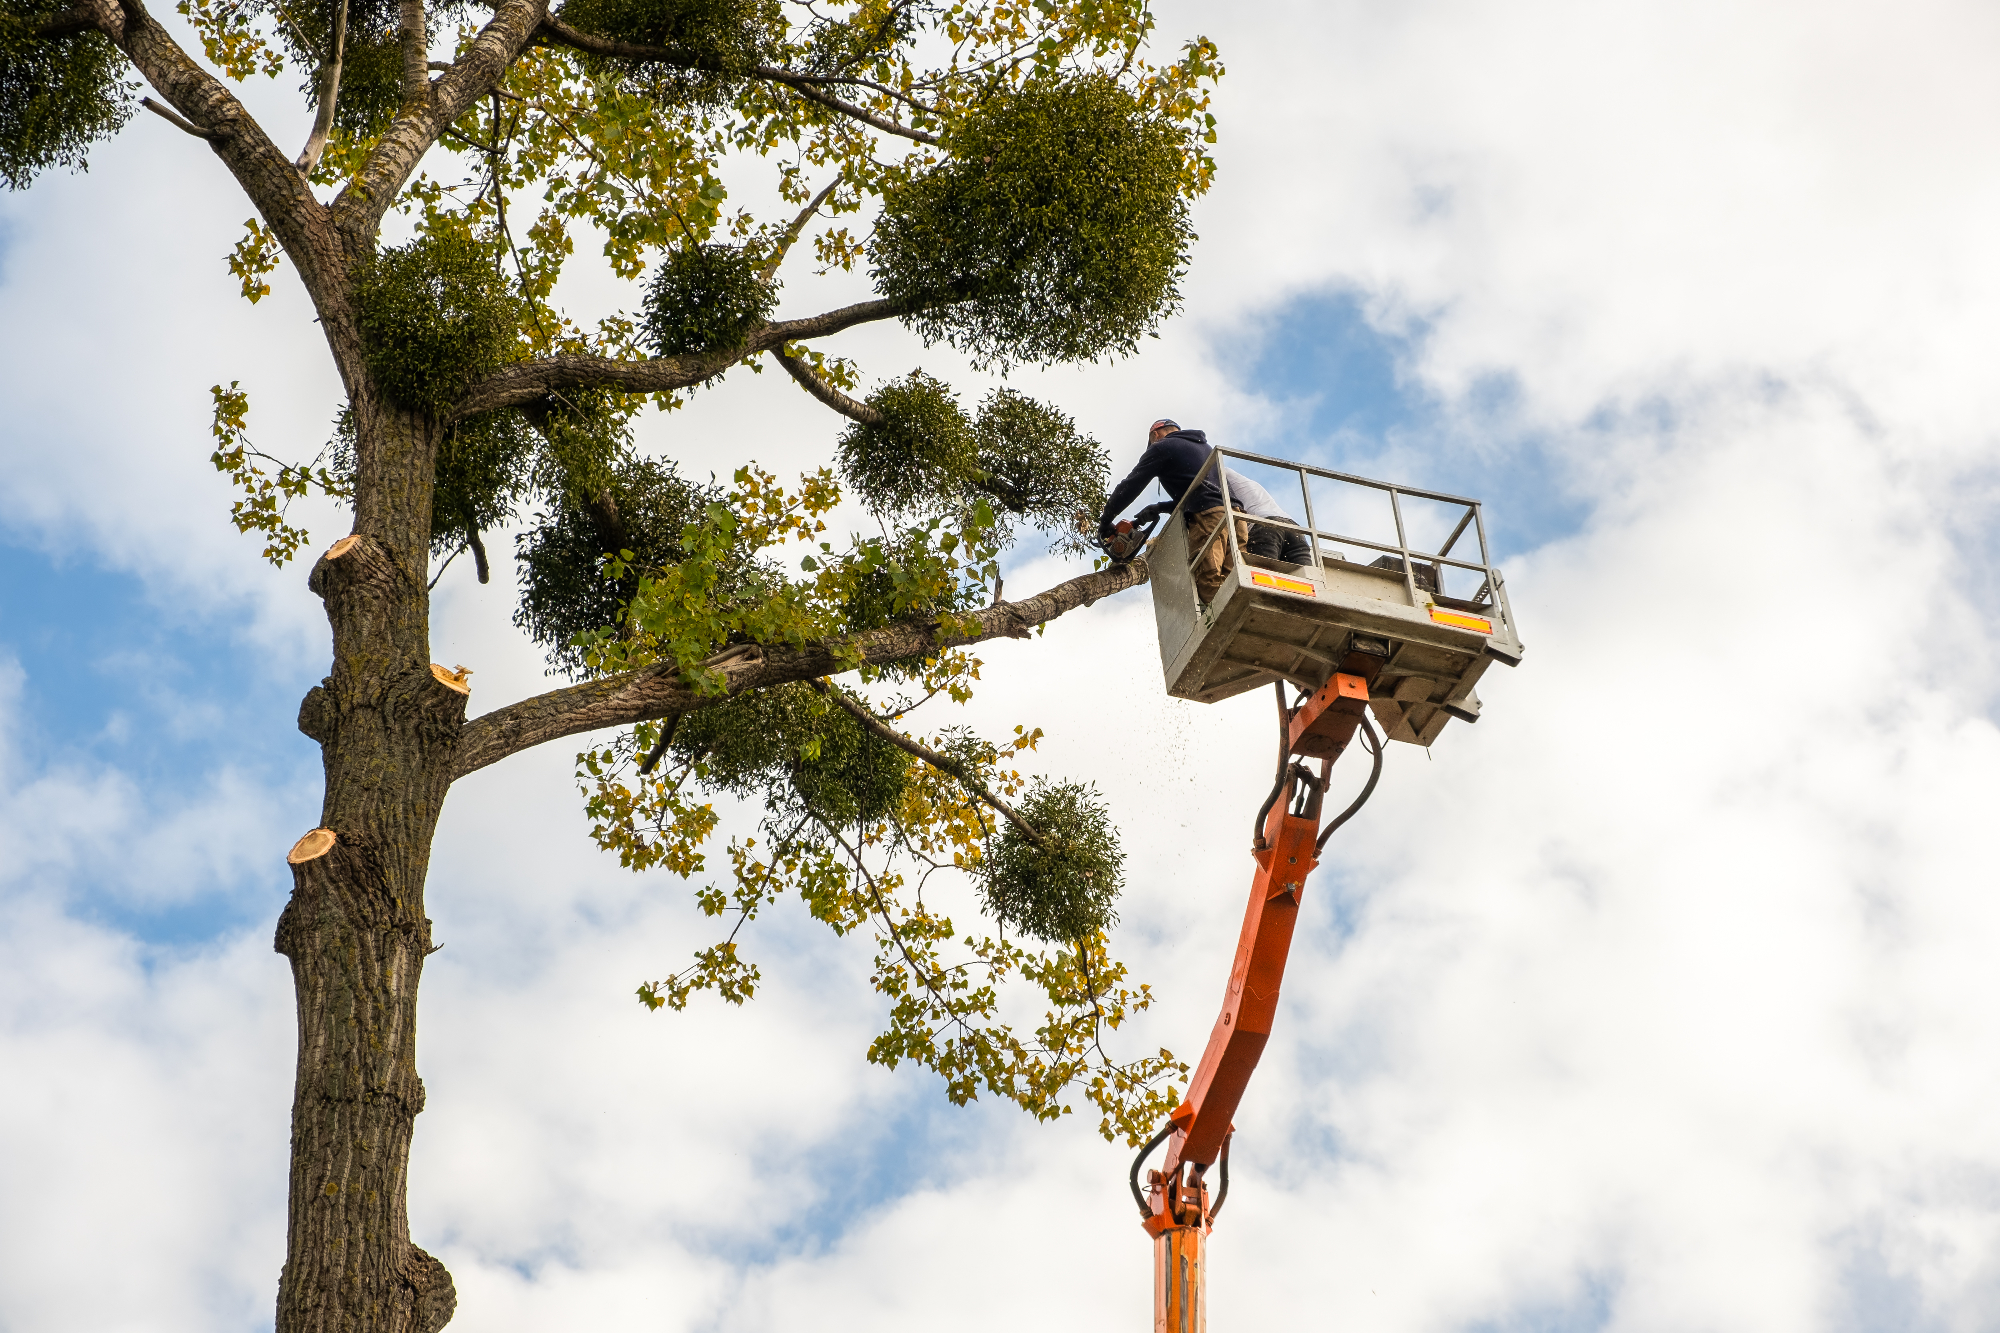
(267, 497)
(705, 298)
(637, 513)
(866, 837)
(254, 256)
(58, 95)
(721, 591)
(1057, 229)
(436, 315)
(230, 39)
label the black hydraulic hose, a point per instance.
(1375, 748)
(1284, 753)
(1223, 1166)
(1139, 1161)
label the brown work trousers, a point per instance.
(1212, 564)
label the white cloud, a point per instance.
(1658, 1000)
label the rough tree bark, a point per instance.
(355, 929)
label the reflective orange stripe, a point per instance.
(1283, 584)
(1480, 623)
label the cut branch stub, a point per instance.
(314, 845)
(317, 715)
(357, 951)
(356, 560)
(453, 678)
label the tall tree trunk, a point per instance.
(355, 929)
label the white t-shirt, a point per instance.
(1252, 499)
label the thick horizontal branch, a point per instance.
(66, 24)
(806, 88)
(529, 381)
(656, 691)
(810, 380)
(557, 33)
(944, 763)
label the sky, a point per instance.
(1659, 1000)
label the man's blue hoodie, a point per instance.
(1172, 460)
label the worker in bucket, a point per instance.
(1174, 457)
(1267, 539)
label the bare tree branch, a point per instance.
(640, 696)
(557, 33)
(791, 233)
(809, 379)
(173, 118)
(854, 81)
(329, 95)
(359, 209)
(415, 38)
(66, 24)
(528, 381)
(942, 762)
(805, 88)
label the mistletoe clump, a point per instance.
(922, 451)
(703, 48)
(371, 81)
(1035, 463)
(566, 590)
(58, 94)
(925, 456)
(1056, 230)
(705, 298)
(484, 465)
(792, 739)
(1059, 886)
(436, 316)
(370, 51)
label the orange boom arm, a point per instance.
(1197, 1133)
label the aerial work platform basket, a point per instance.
(1300, 621)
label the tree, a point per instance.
(1031, 174)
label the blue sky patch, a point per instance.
(114, 684)
(1351, 398)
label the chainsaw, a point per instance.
(1128, 537)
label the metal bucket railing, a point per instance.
(1491, 592)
